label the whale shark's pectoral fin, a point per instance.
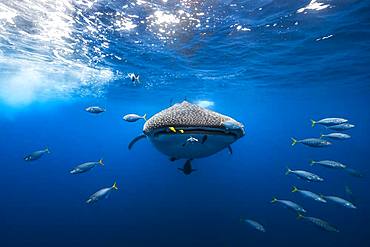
(136, 139)
(204, 139)
(230, 149)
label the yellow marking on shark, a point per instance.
(172, 129)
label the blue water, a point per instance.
(272, 65)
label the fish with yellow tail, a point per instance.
(101, 194)
(312, 142)
(328, 121)
(289, 204)
(87, 166)
(308, 194)
(133, 117)
(305, 175)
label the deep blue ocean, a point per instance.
(271, 64)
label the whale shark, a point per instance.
(170, 128)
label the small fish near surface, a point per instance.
(329, 164)
(133, 117)
(309, 194)
(305, 175)
(134, 77)
(36, 155)
(101, 194)
(95, 109)
(319, 223)
(341, 127)
(336, 136)
(312, 142)
(86, 167)
(289, 204)
(253, 224)
(340, 201)
(328, 121)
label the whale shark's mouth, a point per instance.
(198, 131)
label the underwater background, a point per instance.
(272, 65)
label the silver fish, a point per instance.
(95, 109)
(329, 164)
(312, 142)
(319, 223)
(340, 201)
(133, 117)
(305, 175)
(289, 204)
(102, 194)
(329, 121)
(341, 127)
(336, 136)
(253, 224)
(86, 167)
(309, 194)
(36, 155)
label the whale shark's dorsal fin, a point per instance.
(136, 139)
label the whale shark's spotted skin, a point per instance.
(186, 114)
